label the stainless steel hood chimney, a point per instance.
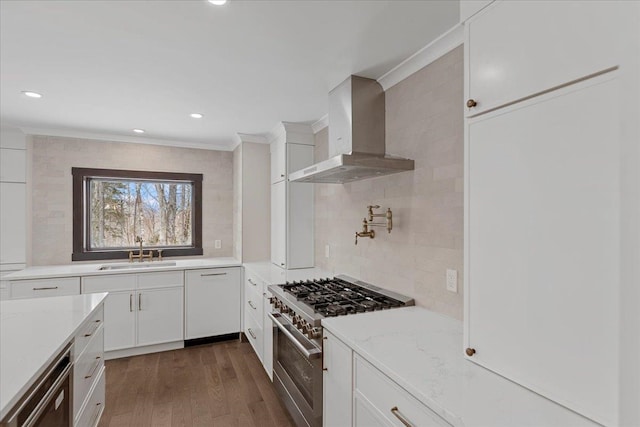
(356, 137)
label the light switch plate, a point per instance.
(452, 280)
(218, 244)
(326, 251)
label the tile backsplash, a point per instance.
(424, 122)
(51, 188)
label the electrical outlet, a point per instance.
(452, 280)
(326, 251)
(218, 244)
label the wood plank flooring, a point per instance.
(220, 384)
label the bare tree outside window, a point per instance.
(159, 212)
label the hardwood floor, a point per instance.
(220, 384)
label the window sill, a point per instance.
(106, 255)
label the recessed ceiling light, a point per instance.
(31, 94)
(138, 130)
(218, 2)
(197, 115)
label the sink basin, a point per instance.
(136, 265)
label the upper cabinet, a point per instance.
(521, 48)
(551, 199)
(291, 202)
(278, 162)
(13, 203)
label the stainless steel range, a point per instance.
(298, 309)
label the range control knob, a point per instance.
(285, 309)
(313, 333)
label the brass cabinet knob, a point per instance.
(470, 351)
(471, 103)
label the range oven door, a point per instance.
(297, 369)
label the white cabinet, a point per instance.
(13, 225)
(141, 309)
(388, 400)
(120, 314)
(279, 224)
(12, 165)
(549, 201)
(516, 49)
(291, 203)
(13, 202)
(544, 207)
(253, 312)
(258, 327)
(88, 371)
(212, 303)
(337, 384)
(37, 288)
(366, 415)
(278, 162)
(160, 315)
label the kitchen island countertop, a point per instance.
(422, 352)
(32, 332)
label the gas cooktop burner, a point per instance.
(336, 297)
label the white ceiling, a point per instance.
(111, 66)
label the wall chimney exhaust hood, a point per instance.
(356, 137)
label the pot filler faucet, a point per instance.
(368, 222)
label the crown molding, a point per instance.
(425, 56)
(300, 133)
(322, 123)
(248, 137)
(66, 133)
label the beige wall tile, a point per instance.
(52, 215)
(424, 121)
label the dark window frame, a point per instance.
(81, 179)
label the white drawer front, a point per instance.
(88, 331)
(92, 411)
(253, 304)
(163, 279)
(393, 401)
(254, 334)
(87, 368)
(252, 281)
(108, 283)
(45, 287)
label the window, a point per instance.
(111, 208)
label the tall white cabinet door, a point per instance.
(13, 224)
(519, 48)
(212, 302)
(120, 320)
(13, 165)
(337, 382)
(543, 245)
(278, 223)
(160, 314)
(278, 162)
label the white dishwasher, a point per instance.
(212, 303)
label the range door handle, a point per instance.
(312, 353)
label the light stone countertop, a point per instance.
(274, 275)
(92, 269)
(32, 333)
(422, 351)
